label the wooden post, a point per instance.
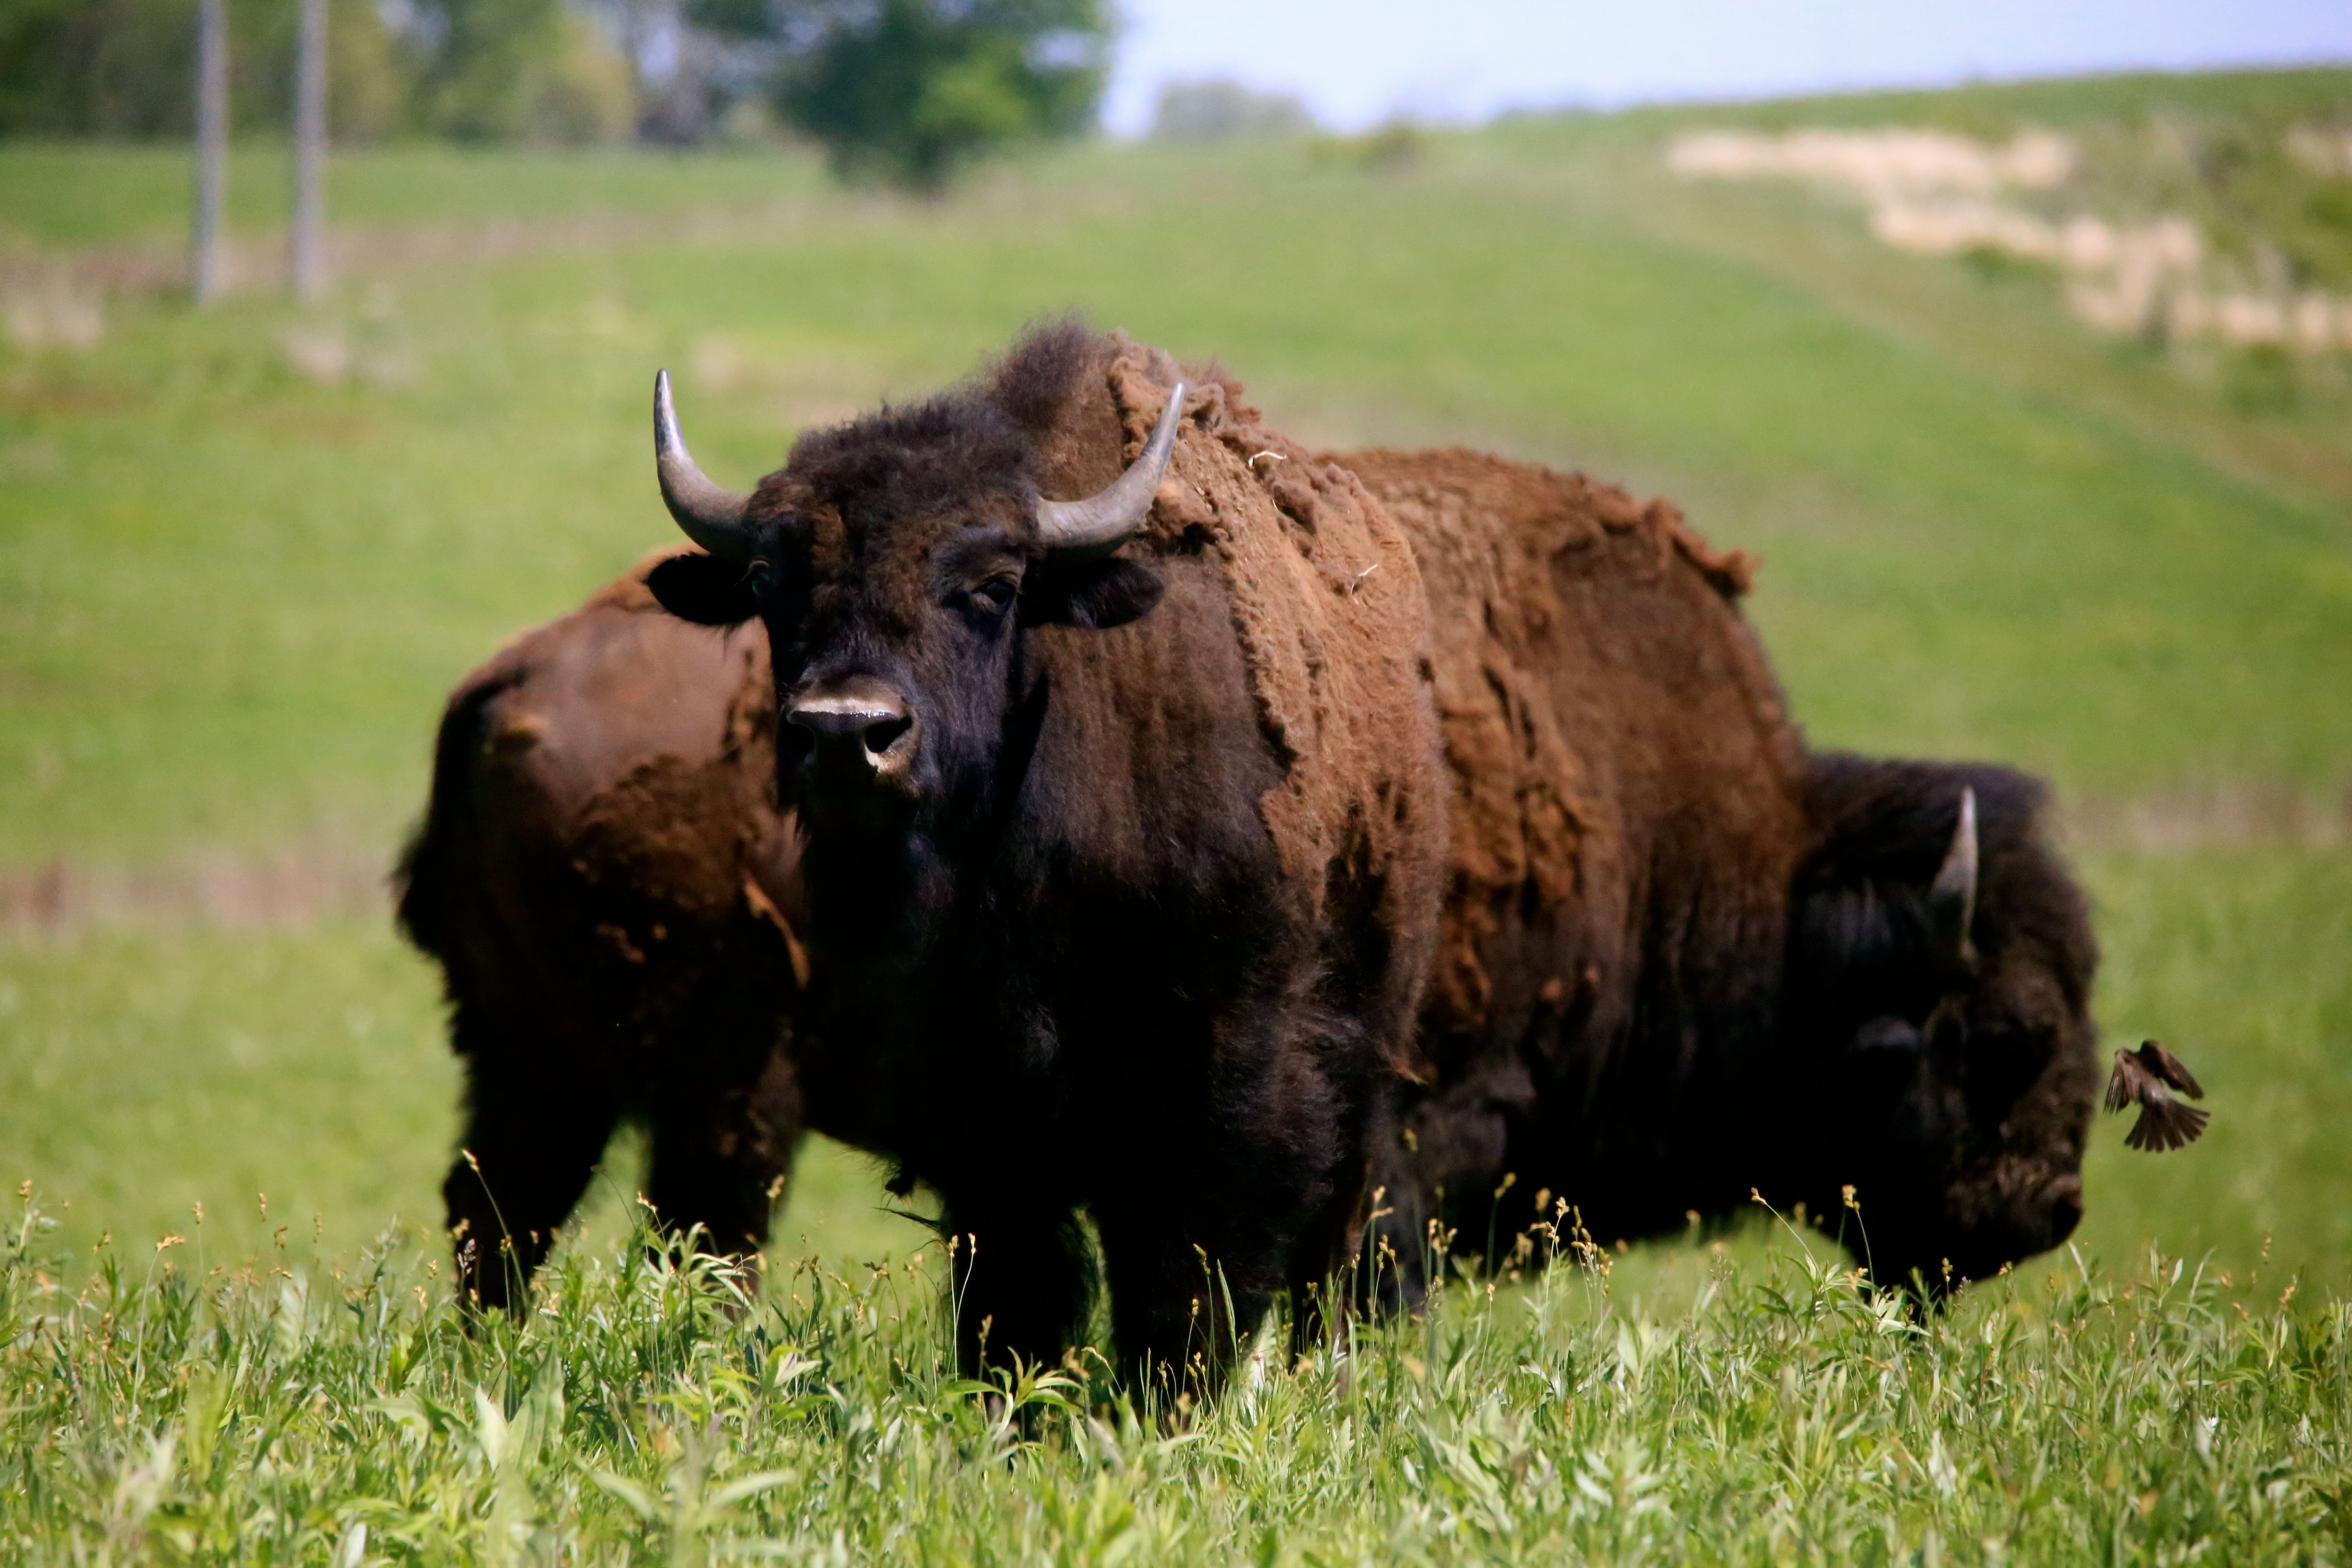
(211, 147)
(309, 149)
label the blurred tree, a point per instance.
(127, 68)
(98, 68)
(367, 82)
(515, 69)
(482, 69)
(911, 91)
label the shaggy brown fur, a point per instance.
(1599, 696)
(1633, 1007)
(602, 875)
(1328, 606)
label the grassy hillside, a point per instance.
(233, 594)
(244, 554)
(59, 195)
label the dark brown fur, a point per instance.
(1670, 929)
(602, 875)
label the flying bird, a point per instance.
(2146, 1077)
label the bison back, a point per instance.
(600, 851)
(1626, 812)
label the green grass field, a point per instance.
(244, 554)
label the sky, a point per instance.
(1356, 62)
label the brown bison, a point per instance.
(1682, 957)
(1122, 824)
(602, 875)
(1685, 959)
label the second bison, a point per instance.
(1687, 958)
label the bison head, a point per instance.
(1941, 978)
(897, 562)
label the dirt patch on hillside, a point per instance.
(2223, 816)
(323, 877)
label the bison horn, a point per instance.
(1952, 898)
(1100, 524)
(711, 517)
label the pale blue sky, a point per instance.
(1358, 61)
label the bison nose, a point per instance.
(858, 721)
(2066, 1198)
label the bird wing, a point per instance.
(2140, 1079)
(2168, 1066)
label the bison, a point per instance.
(1122, 824)
(1686, 961)
(602, 876)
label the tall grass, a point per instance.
(301, 1409)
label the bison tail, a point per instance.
(420, 877)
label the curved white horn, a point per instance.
(711, 517)
(1100, 524)
(1952, 898)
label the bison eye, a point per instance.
(994, 596)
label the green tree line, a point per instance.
(907, 91)
(469, 69)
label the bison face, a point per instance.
(1953, 1055)
(898, 679)
(896, 563)
(1961, 1132)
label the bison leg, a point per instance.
(1195, 1252)
(1327, 1280)
(1437, 1163)
(527, 1157)
(1022, 1281)
(1180, 1309)
(721, 1160)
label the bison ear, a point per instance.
(1098, 595)
(703, 589)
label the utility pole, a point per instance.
(309, 149)
(211, 147)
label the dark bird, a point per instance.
(2146, 1077)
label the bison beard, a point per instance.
(1122, 871)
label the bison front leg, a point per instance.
(1193, 1273)
(1436, 1163)
(721, 1160)
(1266, 1198)
(528, 1154)
(1022, 1281)
(1184, 1296)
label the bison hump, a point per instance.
(1332, 623)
